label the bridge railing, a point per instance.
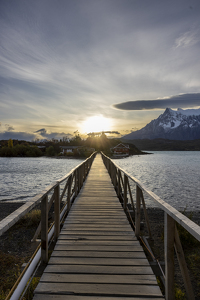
(123, 182)
(61, 193)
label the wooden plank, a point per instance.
(95, 237)
(56, 260)
(102, 214)
(98, 211)
(82, 242)
(75, 297)
(96, 254)
(99, 289)
(85, 269)
(96, 227)
(97, 222)
(86, 231)
(98, 278)
(92, 247)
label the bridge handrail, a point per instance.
(181, 219)
(74, 181)
(14, 217)
(120, 179)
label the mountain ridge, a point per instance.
(171, 125)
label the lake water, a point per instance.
(173, 176)
(23, 178)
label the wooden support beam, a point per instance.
(38, 230)
(131, 197)
(57, 212)
(44, 230)
(69, 194)
(76, 183)
(169, 237)
(125, 192)
(145, 214)
(118, 183)
(137, 212)
(183, 267)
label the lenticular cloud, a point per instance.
(183, 100)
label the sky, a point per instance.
(79, 66)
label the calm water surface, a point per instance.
(23, 178)
(172, 175)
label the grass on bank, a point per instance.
(10, 263)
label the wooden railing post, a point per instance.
(79, 178)
(183, 267)
(76, 183)
(44, 230)
(125, 191)
(145, 214)
(118, 183)
(81, 172)
(112, 172)
(84, 173)
(169, 236)
(115, 177)
(109, 167)
(137, 212)
(69, 194)
(57, 212)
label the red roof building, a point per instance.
(121, 149)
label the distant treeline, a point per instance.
(23, 150)
(166, 145)
(100, 142)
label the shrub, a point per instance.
(50, 151)
(30, 219)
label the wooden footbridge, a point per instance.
(97, 255)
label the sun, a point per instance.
(96, 124)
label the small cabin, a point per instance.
(121, 150)
(69, 149)
(80, 150)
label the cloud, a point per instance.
(109, 132)
(68, 61)
(25, 136)
(41, 131)
(188, 39)
(182, 100)
(53, 135)
(40, 134)
(112, 132)
(9, 128)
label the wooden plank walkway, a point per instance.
(97, 255)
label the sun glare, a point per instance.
(97, 124)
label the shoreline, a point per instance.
(6, 208)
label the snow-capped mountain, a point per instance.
(173, 125)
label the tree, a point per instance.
(76, 141)
(10, 143)
(50, 151)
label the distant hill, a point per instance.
(171, 125)
(165, 145)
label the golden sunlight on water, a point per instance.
(97, 124)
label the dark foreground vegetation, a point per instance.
(191, 248)
(15, 148)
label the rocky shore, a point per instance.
(6, 208)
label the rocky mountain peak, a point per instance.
(176, 125)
